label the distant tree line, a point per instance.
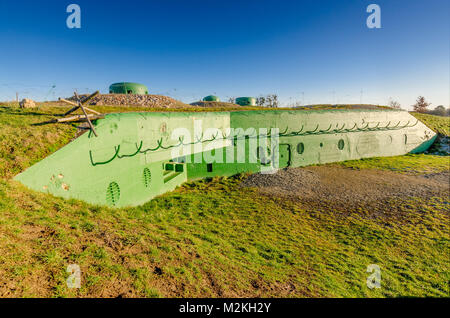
(422, 106)
(270, 100)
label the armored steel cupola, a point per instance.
(211, 98)
(246, 101)
(128, 88)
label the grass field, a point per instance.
(437, 123)
(411, 164)
(211, 238)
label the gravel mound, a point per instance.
(214, 104)
(156, 101)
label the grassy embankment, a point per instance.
(209, 238)
(437, 123)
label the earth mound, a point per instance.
(150, 101)
(214, 104)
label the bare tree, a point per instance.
(232, 100)
(394, 104)
(272, 100)
(421, 105)
(261, 101)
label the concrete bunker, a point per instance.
(128, 88)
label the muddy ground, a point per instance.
(346, 190)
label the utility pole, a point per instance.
(17, 96)
(361, 97)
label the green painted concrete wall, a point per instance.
(137, 156)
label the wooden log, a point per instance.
(75, 118)
(85, 100)
(84, 112)
(76, 107)
(68, 102)
(91, 110)
(53, 121)
(71, 111)
(78, 118)
(89, 122)
(77, 97)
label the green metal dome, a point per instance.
(246, 101)
(211, 98)
(128, 88)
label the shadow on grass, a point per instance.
(17, 111)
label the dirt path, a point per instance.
(348, 190)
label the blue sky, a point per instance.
(187, 49)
